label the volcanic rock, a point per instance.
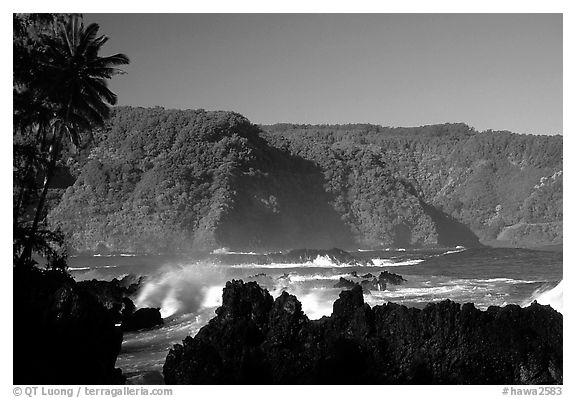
(62, 334)
(254, 339)
(144, 318)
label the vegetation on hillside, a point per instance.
(167, 180)
(486, 181)
(161, 180)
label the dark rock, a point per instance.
(115, 296)
(108, 293)
(112, 293)
(373, 285)
(144, 318)
(131, 283)
(128, 308)
(227, 350)
(388, 277)
(254, 339)
(367, 286)
(62, 333)
(245, 300)
(344, 283)
(348, 303)
(367, 276)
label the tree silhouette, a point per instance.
(63, 93)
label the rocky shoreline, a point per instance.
(116, 296)
(68, 332)
(62, 333)
(255, 339)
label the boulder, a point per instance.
(344, 283)
(373, 285)
(144, 318)
(388, 277)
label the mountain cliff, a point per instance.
(161, 180)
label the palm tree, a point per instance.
(73, 78)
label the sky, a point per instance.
(491, 71)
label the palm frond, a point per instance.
(105, 72)
(88, 37)
(97, 87)
(66, 41)
(112, 60)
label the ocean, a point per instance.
(188, 290)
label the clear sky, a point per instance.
(498, 71)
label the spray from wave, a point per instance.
(548, 295)
(182, 289)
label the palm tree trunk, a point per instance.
(26, 257)
(23, 194)
(53, 154)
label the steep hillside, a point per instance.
(166, 180)
(491, 182)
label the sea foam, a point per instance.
(547, 295)
(386, 262)
(182, 289)
(318, 262)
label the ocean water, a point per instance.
(188, 290)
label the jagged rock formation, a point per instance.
(62, 334)
(255, 339)
(369, 283)
(344, 283)
(115, 296)
(391, 278)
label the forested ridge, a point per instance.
(489, 181)
(161, 180)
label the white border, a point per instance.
(229, 6)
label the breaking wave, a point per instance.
(224, 250)
(386, 262)
(549, 294)
(182, 289)
(457, 250)
(318, 262)
(504, 280)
